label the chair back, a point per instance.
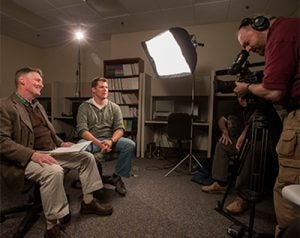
(75, 106)
(179, 126)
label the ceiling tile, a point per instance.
(107, 8)
(9, 24)
(179, 16)
(64, 3)
(46, 23)
(24, 16)
(80, 12)
(282, 8)
(138, 6)
(211, 12)
(33, 5)
(174, 3)
(240, 9)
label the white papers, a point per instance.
(72, 149)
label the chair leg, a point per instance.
(32, 215)
(28, 221)
(12, 210)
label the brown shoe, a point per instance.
(215, 188)
(96, 208)
(238, 206)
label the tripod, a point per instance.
(190, 155)
(254, 148)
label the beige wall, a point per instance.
(220, 50)
(59, 63)
(14, 55)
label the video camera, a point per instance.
(239, 67)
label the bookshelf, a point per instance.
(125, 83)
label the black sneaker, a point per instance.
(120, 186)
(116, 181)
(106, 179)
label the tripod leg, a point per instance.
(236, 171)
(251, 220)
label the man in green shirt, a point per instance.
(100, 121)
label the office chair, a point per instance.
(33, 209)
(180, 129)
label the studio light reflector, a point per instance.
(172, 53)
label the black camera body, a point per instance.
(228, 86)
(239, 67)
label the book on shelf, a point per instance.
(131, 83)
(133, 98)
(130, 98)
(127, 125)
(125, 111)
(75, 148)
(119, 70)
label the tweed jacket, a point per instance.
(16, 137)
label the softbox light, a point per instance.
(172, 53)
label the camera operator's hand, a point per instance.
(241, 89)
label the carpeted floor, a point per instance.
(155, 206)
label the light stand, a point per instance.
(190, 155)
(173, 54)
(78, 73)
(79, 36)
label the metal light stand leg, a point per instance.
(190, 156)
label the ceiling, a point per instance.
(49, 23)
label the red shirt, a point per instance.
(282, 53)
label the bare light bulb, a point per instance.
(79, 35)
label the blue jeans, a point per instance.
(126, 148)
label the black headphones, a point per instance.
(259, 23)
